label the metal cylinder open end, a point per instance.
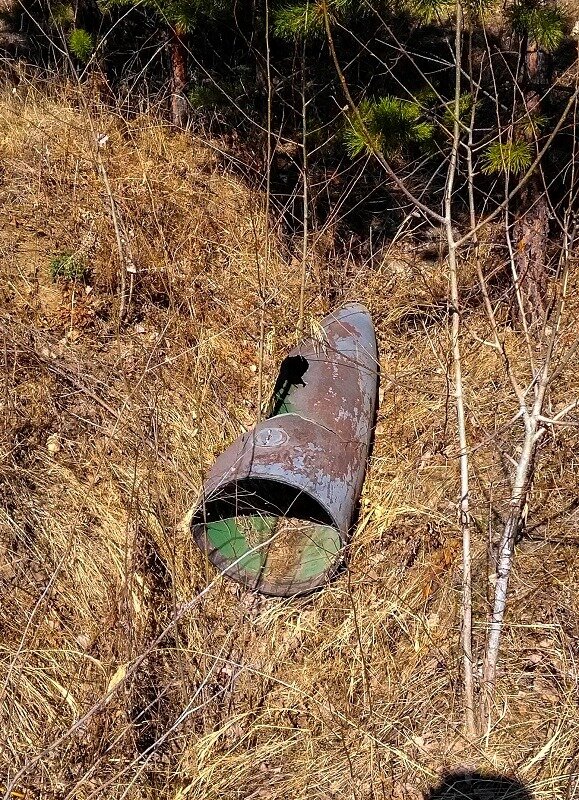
(269, 537)
(278, 504)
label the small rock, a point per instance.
(53, 444)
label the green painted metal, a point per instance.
(312, 550)
(278, 504)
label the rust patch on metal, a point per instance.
(307, 460)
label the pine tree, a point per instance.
(180, 18)
(419, 119)
(539, 27)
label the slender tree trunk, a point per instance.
(179, 76)
(531, 226)
(513, 527)
(464, 512)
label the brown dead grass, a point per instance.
(108, 429)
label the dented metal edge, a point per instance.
(275, 450)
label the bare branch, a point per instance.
(380, 157)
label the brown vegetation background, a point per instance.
(108, 426)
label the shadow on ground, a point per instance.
(478, 786)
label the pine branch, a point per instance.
(380, 157)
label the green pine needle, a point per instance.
(182, 14)
(511, 157)
(299, 21)
(391, 124)
(533, 125)
(62, 14)
(306, 19)
(428, 10)
(545, 24)
(356, 140)
(481, 9)
(81, 44)
(203, 97)
(464, 108)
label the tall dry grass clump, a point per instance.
(131, 268)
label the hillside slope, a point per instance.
(111, 413)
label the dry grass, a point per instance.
(108, 428)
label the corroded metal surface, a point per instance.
(308, 461)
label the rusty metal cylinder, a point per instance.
(278, 504)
